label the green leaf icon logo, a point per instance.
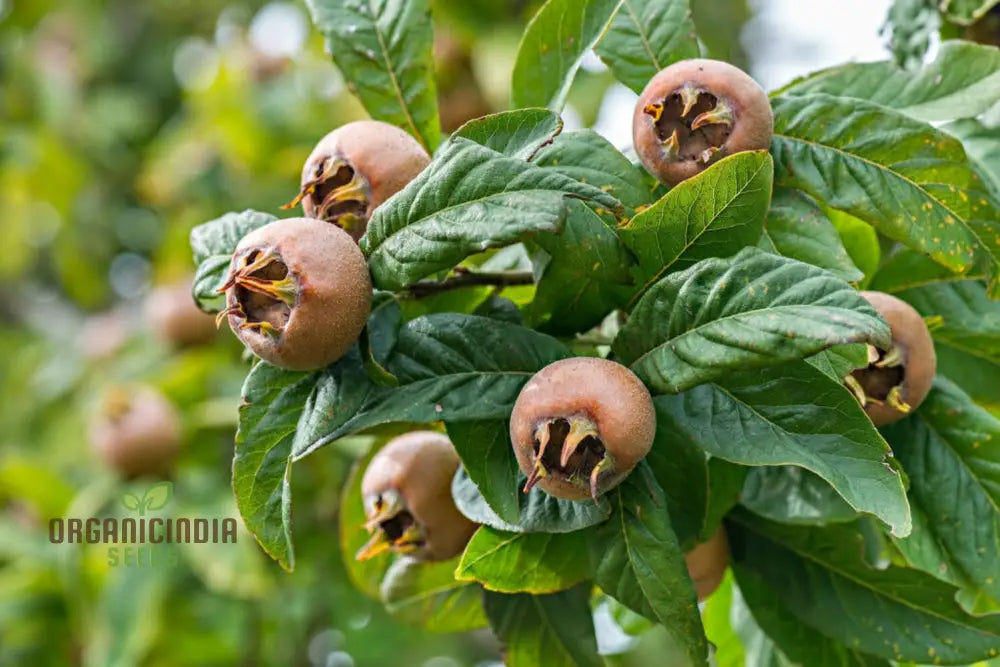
(130, 501)
(158, 496)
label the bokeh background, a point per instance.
(122, 125)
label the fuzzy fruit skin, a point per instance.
(753, 118)
(140, 436)
(174, 317)
(609, 393)
(420, 466)
(909, 332)
(707, 563)
(333, 299)
(387, 157)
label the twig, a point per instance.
(466, 278)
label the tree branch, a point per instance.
(466, 278)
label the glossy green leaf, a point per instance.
(488, 459)
(818, 574)
(519, 133)
(904, 268)
(839, 361)
(646, 36)
(904, 177)
(982, 145)
(796, 228)
(970, 319)
(950, 451)
(793, 415)
(963, 81)
(552, 48)
(965, 12)
(428, 595)
(536, 563)
(639, 562)
(587, 276)
(748, 311)
(539, 512)
(859, 238)
(384, 49)
(554, 630)
(713, 214)
(976, 376)
(212, 245)
(469, 199)
(789, 494)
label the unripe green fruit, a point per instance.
(406, 491)
(137, 432)
(897, 380)
(580, 425)
(696, 112)
(354, 169)
(298, 293)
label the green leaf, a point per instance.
(749, 311)
(273, 401)
(819, 575)
(839, 361)
(639, 562)
(797, 228)
(450, 367)
(587, 276)
(469, 199)
(519, 133)
(552, 48)
(539, 512)
(962, 82)
(427, 595)
(793, 415)
(713, 214)
(982, 145)
(366, 576)
(859, 238)
(536, 563)
(646, 36)
(904, 268)
(212, 245)
(965, 12)
(971, 320)
(909, 180)
(950, 452)
(488, 459)
(553, 630)
(976, 376)
(158, 495)
(384, 49)
(586, 156)
(789, 494)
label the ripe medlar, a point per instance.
(707, 563)
(298, 293)
(174, 317)
(896, 380)
(406, 491)
(580, 425)
(354, 169)
(696, 112)
(136, 432)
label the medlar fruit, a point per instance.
(580, 425)
(175, 319)
(298, 293)
(136, 432)
(695, 112)
(707, 563)
(896, 380)
(354, 169)
(406, 491)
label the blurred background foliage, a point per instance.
(122, 125)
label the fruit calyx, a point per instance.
(340, 194)
(392, 526)
(881, 382)
(691, 123)
(570, 449)
(265, 292)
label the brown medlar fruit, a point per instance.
(707, 563)
(175, 319)
(354, 169)
(406, 491)
(696, 112)
(580, 425)
(136, 432)
(896, 380)
(298, 293)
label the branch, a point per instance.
(466, 278)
